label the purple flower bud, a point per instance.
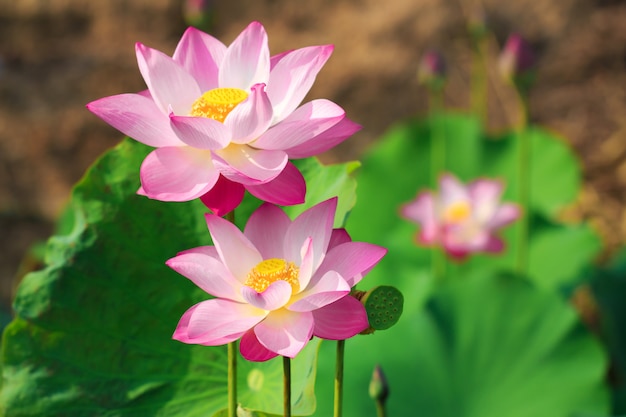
(516, 58)
(378, 389)
(198, 13)
(432, 70)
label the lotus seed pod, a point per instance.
(383, 305)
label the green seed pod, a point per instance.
(383, 305)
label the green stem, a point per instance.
(437, 166)
(341, 345)
(380, 409)
(478, 87)
(523, 181)
(232, 379)
(287, 386)
(232, 358)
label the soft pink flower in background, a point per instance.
(224, 119)
(277, 283)
(462, 219)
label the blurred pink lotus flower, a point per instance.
(227, 118)
(462, 219)
(277, 284)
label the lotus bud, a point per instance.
(379, 389)
(198, 13)
(431, 71)
(517, 58)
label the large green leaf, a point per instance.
(485, 347)
(92, 332)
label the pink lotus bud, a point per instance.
(198, 13)
(432, 70)
(379, 389)
(516, 58)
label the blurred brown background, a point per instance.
(57, 55)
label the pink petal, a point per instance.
(247, 60)
(338, 237)
(275, 296)
(306, 264)
(293, 75)
(224, 197)
(351, 260)
(505, 214)
(182, 332)
(217, 318)
(275, 59)
(422, 211)
(250, 118)
(328, 289)
(200, 132)
(494, 245)
(315, 223)
(325, 140)
(177, 174)
(266, 230)
(136, 116)
(251, 349)
(208, 273)
(169, 84)
(249, 166)
(235, 250)
(285, 332)
(304, 124)
(201, 55)
(485, 197)
(340, 320)
(287, 189)
(451, 190)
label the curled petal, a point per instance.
(169, 84)
(352, 260)
(304, 124)
(224, 197)
(234, 249)
(266, 230)
(249, 166)
(137, 116)
(287, 189)
(247, 59)
(200, 132)
(329, 288)
(251, 117)
(293, 75)
(276, 295)
(315, 223)
(340, 320)
(201, 55)
(252, 350)
(177, 174)
(213, 320)
(208, 273)
(285, 332)
(325, 140)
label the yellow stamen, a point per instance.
(457, 212)
(270, 271)
(217, 103)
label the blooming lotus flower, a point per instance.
(224, 119)
(277, 284)
(462, 219)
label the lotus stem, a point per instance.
(341, 345)
(287, 386)
(523, 181)
(232, 379)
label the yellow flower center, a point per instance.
(272, 270)
(457, 212)
(217, 103)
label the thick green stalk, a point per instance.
(380, 409)
(286, 386)
(232, 379)
(437, 166)
(232, 358)
(341, 344)
(523, 182)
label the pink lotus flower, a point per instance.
(462, 219)
(227, 118)
(277, 284)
